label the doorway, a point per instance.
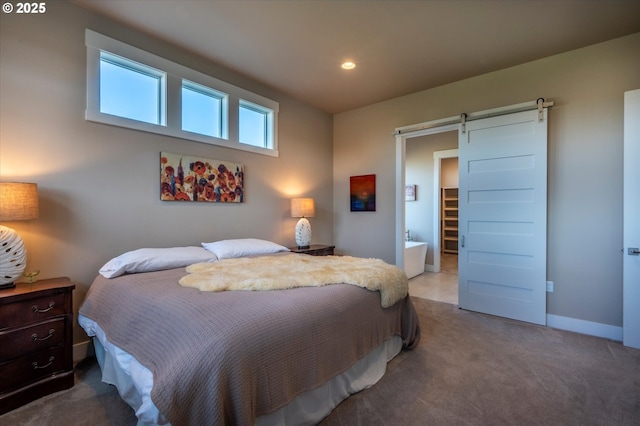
(447, 280)
(431, 165)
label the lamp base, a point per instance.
(7, 285)
(13, 257)
(303, 247)
(303, 233)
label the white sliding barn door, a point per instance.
(503, 216)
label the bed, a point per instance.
(180, 353)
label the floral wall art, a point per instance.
(185, 178)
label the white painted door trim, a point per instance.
(631, 221)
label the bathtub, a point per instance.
(415, 254)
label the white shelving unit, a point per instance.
(449, 220)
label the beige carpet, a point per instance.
(469, 369)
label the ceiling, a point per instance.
(400, 47)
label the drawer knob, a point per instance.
(35, 308)
(37, 367)
(35, 338)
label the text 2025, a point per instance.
(31, 7)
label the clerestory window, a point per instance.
(132, 88)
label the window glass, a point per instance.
(130, 90)
(201, 110)
(253, 126)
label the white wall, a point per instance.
(99, 185)
(584, 167)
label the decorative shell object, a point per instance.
(13, 257)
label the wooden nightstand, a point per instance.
(36, 333)
(315, 250)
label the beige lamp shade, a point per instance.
(303, 207)
(18, 201)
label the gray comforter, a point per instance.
(226, 358)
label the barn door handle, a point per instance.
(462, 241)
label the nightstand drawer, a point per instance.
(323, 252)
(314, 250)
(32, 310)
(30, 368)
(31, 339)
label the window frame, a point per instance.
(175, 74)
(268, 118)
(216, 94)
(160, 76)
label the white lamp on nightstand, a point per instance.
(303, 208)
(18, 201)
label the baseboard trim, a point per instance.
(82, 350)
(585, 327)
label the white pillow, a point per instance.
(155, 259)
(241, 247)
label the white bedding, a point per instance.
(134, 382)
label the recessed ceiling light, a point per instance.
(348, 65)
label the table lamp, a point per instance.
(18, 201)
(303, 208)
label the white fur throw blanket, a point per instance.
(282, 272)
